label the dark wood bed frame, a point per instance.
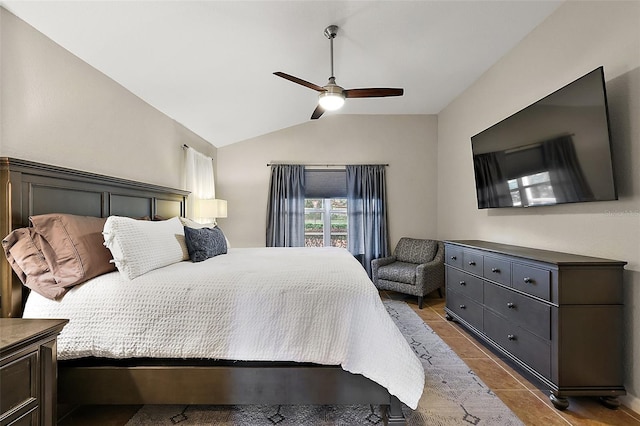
(29, 188)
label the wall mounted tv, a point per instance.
(554, 151)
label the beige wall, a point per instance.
(406, 143)
(56, 109)
(577, 38)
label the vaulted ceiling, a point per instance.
(209, 64)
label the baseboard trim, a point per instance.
(631, 401)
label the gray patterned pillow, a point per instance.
(204, 243)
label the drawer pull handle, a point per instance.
(511, 337)
(511, 305)
(528, 280)
(454, 258)
(463, 307)
(472, 263)
(463, 283)
(496, 270)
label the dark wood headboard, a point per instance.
(28, 188)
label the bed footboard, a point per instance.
(240, 384)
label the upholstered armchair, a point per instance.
(416, 268)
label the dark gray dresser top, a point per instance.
(555, 258)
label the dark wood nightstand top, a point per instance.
(18, 331)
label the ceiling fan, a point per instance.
(332, 96)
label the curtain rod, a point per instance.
(185, 146)
(328, 165)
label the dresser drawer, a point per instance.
(465, 284)
(466, 308)
(531, 314)
(526, 346)
(473, 262)
(19, 382)
(531, 280)
(497, 270)
(453, 255)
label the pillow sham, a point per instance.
(58, 252)
(197, 225)
(139, 246)
(73, 246)
(22, 249)
(204, 243)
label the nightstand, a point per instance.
(28, 371)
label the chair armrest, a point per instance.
(376, 263)
(430, 275)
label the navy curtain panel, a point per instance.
(366, 210)
(285, 209)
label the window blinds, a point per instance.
(325, 184)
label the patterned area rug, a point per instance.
(453, 395)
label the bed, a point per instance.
(163, 378)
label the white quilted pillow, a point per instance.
(139, 246)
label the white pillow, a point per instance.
(139, 246)
(197, 225)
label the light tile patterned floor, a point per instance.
(520, 394)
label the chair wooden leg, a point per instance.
(420, 298)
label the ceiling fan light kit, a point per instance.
(331, 97)
(330, 101)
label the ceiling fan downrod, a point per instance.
(330, 32)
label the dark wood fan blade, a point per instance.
(317, 112)
(380, 92)
(300, 81)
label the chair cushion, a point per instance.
(399, 271)
(418, 251)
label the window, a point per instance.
(325, 222)
(532, 190)
(325, 213)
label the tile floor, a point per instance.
(521, 394)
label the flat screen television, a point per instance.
(554, 151)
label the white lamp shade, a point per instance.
(211, 208)
(331, 101)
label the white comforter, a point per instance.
(275, 304)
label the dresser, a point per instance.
(28, 371)
(556, 315)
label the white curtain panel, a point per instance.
(199, 181)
